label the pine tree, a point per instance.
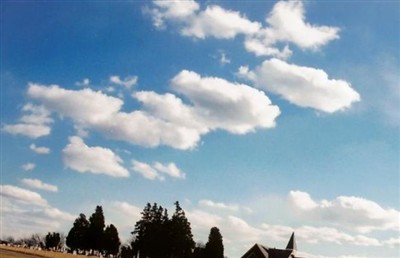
(214, 246)
(96, 229)
(77, 236)
(111, 240)
(181, 236)
(53, 240)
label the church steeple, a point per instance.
(292, 243)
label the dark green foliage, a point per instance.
(199, 251)
(96, 229)
(126, 252)
(152, 232)
(158, 236)
(90, 235)
(78, 235)
(214, 246)
(53, 240)
(111, 240)
(181, 234)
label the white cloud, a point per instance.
(285, 23)
(84, 106)
(85, 82)
(172, 10)
(22, 195)
(39, 150)
(156, 170)
(146, 170)
(170, 169)
(36, 183)
(165, 119)
(34, 124)
(303, 86)
(220, 104)
(25, 212)
(347, 211)
(223, 59)
(98, 160)
(127, 82)
(28, 166)
(219, 205)
(217, 22)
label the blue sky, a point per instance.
(260, 117)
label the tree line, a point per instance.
(155, 235)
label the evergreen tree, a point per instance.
(151, 232)
(53, 240)
(78, 235)
(111, 240)
(214, 246)
(181, 237)
(96, 230)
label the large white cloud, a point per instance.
(303, 86)
(98, 160)
(36, 183)
(220, 104)
(285, 23)
(165, 119)
(217, 22)
(349, 212)
(85, 106)
(26, 212)
(172, 10)
(34, 123)
(22, 195)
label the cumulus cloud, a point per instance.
(165, 119)
(351, 212)
(157, 170)
(36, 183)
(22, 195)
(219, 23)
(220, 104)
(127, 82)
(28, 166)
(303, 86)
(34, 123)
(39, 150)
(84, 106)
(285, 23)
(172, 10)
(26, 212)
(98, 160)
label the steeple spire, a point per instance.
(292, 243)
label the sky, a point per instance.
(262, 118)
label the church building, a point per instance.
(260, 251)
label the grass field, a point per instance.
(19, 252)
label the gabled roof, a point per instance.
(260, 251)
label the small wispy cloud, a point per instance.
(37, 184)
(39, 150)
(28, 166)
